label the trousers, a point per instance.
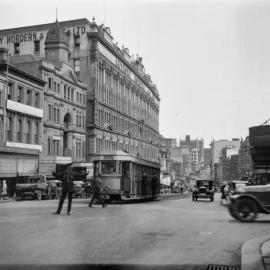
(62, 199)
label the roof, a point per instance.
(56, 34)
(41, 27)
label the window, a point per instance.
(65, 91)
(108, 167)
(9, 129)
(16, 48)
(1, 98)
(58, 116)
(77, 67)
(28, 132)
(72, 94)
(10, 91)
(50, 83)
(56, 147)
(68, 93)
(37, 100)
(49, 146)
(54, 114)
(54, 87)
(36, 133)
(19, 132)
(29, 97)
(58, 88)
(37, 46)
(20, 94)
(77, 40)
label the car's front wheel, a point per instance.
(245, 210)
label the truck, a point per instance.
(35, 186)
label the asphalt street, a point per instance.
(175, 231)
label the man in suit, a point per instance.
(67, 177)
(96, 186)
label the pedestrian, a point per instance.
(4, 190)
(223, 195)
(67, 177)
(96, 188)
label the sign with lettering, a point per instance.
(18, 38)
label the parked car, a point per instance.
(55, 187)
(204, 189)
(34, 186)
(175, 189)
(79, 189)
(247, 201)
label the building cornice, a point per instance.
(131, 66)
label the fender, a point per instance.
(250, 196)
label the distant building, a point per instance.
(245, 161)
(217, 155)
(168, 142)
(196, 150)
(207, 157)
(229, 164)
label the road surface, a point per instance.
(174, 231)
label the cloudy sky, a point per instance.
(209, 59)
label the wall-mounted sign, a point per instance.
(18, 38)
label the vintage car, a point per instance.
(247, 201)
(34, 186)
(204, 189)
(79, 189)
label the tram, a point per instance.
(125, 176)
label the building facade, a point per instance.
(64, 124)
(122, 101)
(21, 119)
(216, 156)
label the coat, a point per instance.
(67, 179)
(96, 186)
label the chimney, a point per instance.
(187, 138)
(3, 55)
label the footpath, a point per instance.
(255, 254)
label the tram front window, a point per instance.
(108, 167)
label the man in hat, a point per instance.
(67, 177)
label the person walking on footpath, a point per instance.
(67, 178)
(96, 186)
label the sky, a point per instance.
(209, 59)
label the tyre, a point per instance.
(39, 195)
(245, 210)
